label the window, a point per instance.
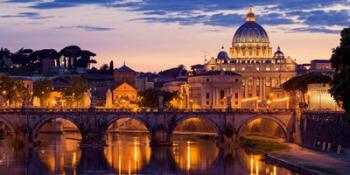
(207, 95)
(207, 102)
(236, 95)
(222, 94)
(236, 102)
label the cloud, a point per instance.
(87, 28)
(29, 15)
(214, 13)
(319, 17)
(316, 30)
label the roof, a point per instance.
(321, 61)
(217, 72)
(125, 68)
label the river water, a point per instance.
(131, 154)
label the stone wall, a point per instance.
(326, 131)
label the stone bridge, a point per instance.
(93, 123)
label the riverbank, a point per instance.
(310, 162)
(257, 143)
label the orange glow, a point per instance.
(127, 157)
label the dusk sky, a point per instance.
(153, 35)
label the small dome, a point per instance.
(222, 55)
(278, 53)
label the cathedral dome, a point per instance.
(250, 31)
(251, 40)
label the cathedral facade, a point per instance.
(263, 71)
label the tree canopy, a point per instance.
(150, 98)
(43, 88)
(340, 84)
(76, 90)
(300, 82)
(12, 91)
(30, 61)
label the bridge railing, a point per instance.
(140, 110)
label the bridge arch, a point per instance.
(35, 130)
(273, 118)
(9, 125)
(138, 119)
(209, 120)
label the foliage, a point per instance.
(300, 82)
(28, 61)
(76, 57)
(150, 98)
(340, 84)
(76, 91)
(12, 91)
(111, 67)
(42, 89)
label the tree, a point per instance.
(149, 98)
(111, 67)
(299, 83)
(42, 89)
(36, 58)
(70, 54)
(84, 60)
(5, 55)
(340, 84)
(76, 91)
(12, 91)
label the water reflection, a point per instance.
(131, 154)
(127, 153)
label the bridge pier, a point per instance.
(93, 138)
(160, 136)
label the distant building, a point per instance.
(262, 71)
(173, 74)
(321, 66)
(124, 96)
(319, 98)
(125, 74)
(145, 81)
(214, 89)
(173, 86)
(99, 85)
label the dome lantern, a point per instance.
(250, 15)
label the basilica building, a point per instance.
(262, 70)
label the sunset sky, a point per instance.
(153, 35)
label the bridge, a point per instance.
(93, 123)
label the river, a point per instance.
(130, 153)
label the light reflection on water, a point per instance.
(131, 154)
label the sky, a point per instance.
(154, 35)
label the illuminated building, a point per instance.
(319, 98)
(213, 90)
(251, 56)
(124, 95)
